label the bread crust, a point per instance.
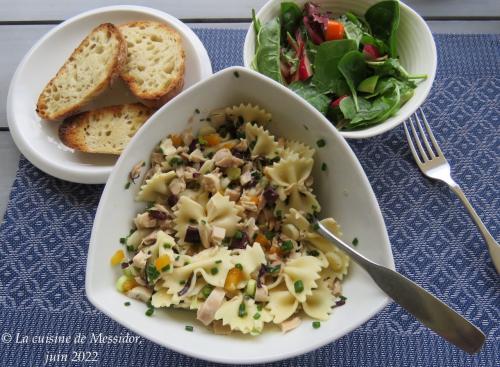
(156, 99)
(71, 131)
(113, 72)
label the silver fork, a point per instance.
(434, 165)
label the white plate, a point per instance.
(416, 48)
(343, 191)
(38, 139)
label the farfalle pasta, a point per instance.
(227, 229)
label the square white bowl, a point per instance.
(38, 140)
(343, 191)
(416, 48)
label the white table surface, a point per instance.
(23, 22)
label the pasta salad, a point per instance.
(227, 232)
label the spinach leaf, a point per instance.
(353, 67)
(290, 16)
(365, 112)
(327, 77)
(256, 23)
(352, 30)
(358, 21)
(383, 18)
(311, 95)
(392, 67)
(389, 102)
(267, 56)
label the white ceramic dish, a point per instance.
(416, 49)
(343, 191)
(37, 139)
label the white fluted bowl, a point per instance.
(416, 48)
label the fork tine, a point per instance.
(417, 140)
(430, 152)
(412, 147)
(431, 135)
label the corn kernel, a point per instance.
(212, 139)
(234, 276)
(176, 140)
(117, 258)
(129, 284)
(262, 240)
(161, 262)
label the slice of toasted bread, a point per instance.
(154, 70)
(105, 130)
(90, 69)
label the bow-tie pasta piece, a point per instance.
(156, 188)
(260, 141)
(247, 113)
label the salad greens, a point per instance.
(347, 67)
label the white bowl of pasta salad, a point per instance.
(203, 241)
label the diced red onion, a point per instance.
(239, 243)
(192, 235)
(184, 289)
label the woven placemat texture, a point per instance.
(44, 236)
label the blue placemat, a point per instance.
(44, 237)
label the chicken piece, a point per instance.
(177, 185)
(241, 146)
(187, 137)
(144, 220)
(140, 259)
(190, 173)
(196, 156)
(245, 178)
(233, 194)
(224, 158)
(211, 183)
(140, 293)
(290, 324)
(218, 234)
(337, 288)
(157, 158)
(207, 310)
(261, 294)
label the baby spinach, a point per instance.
(383, 18)
(327, 77)
(353, 31)
(365, 112)
(353, 67)
(311, 95)
(392, 67)
(290, 16)
(267, 57)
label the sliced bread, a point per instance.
(154, 70)
(90, 69)
(104, 130)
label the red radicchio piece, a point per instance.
(184, 289)
(305, 69)
(239, 242)
(192, 235)
(157, 214)
(314, 30)
(262, 272)
(270, 195)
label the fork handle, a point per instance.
(493, 246)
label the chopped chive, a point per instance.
(127, 185)
(321, 143)
(127, 303)
(239, 266)
(236, 74)
(298, 286)
(286, 246)
(186, 263)
(355, 241)
(316, 324)
(242, 312)
(123, 240)
(305, 127)
(166, 268)
(238, 235)
(167, 245)
(218, 261)
(214, 271)
(314, 253)
(206, 290)
(259, 307)
(182, 282)
(152, 273)
(269, 235)
(256, 316)
(343, 298)
(323, 166)
(189, 328)
(197, 110)
(274, 269)
(130, 248)
(149, 312)
(177, 257)
(316, 226)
